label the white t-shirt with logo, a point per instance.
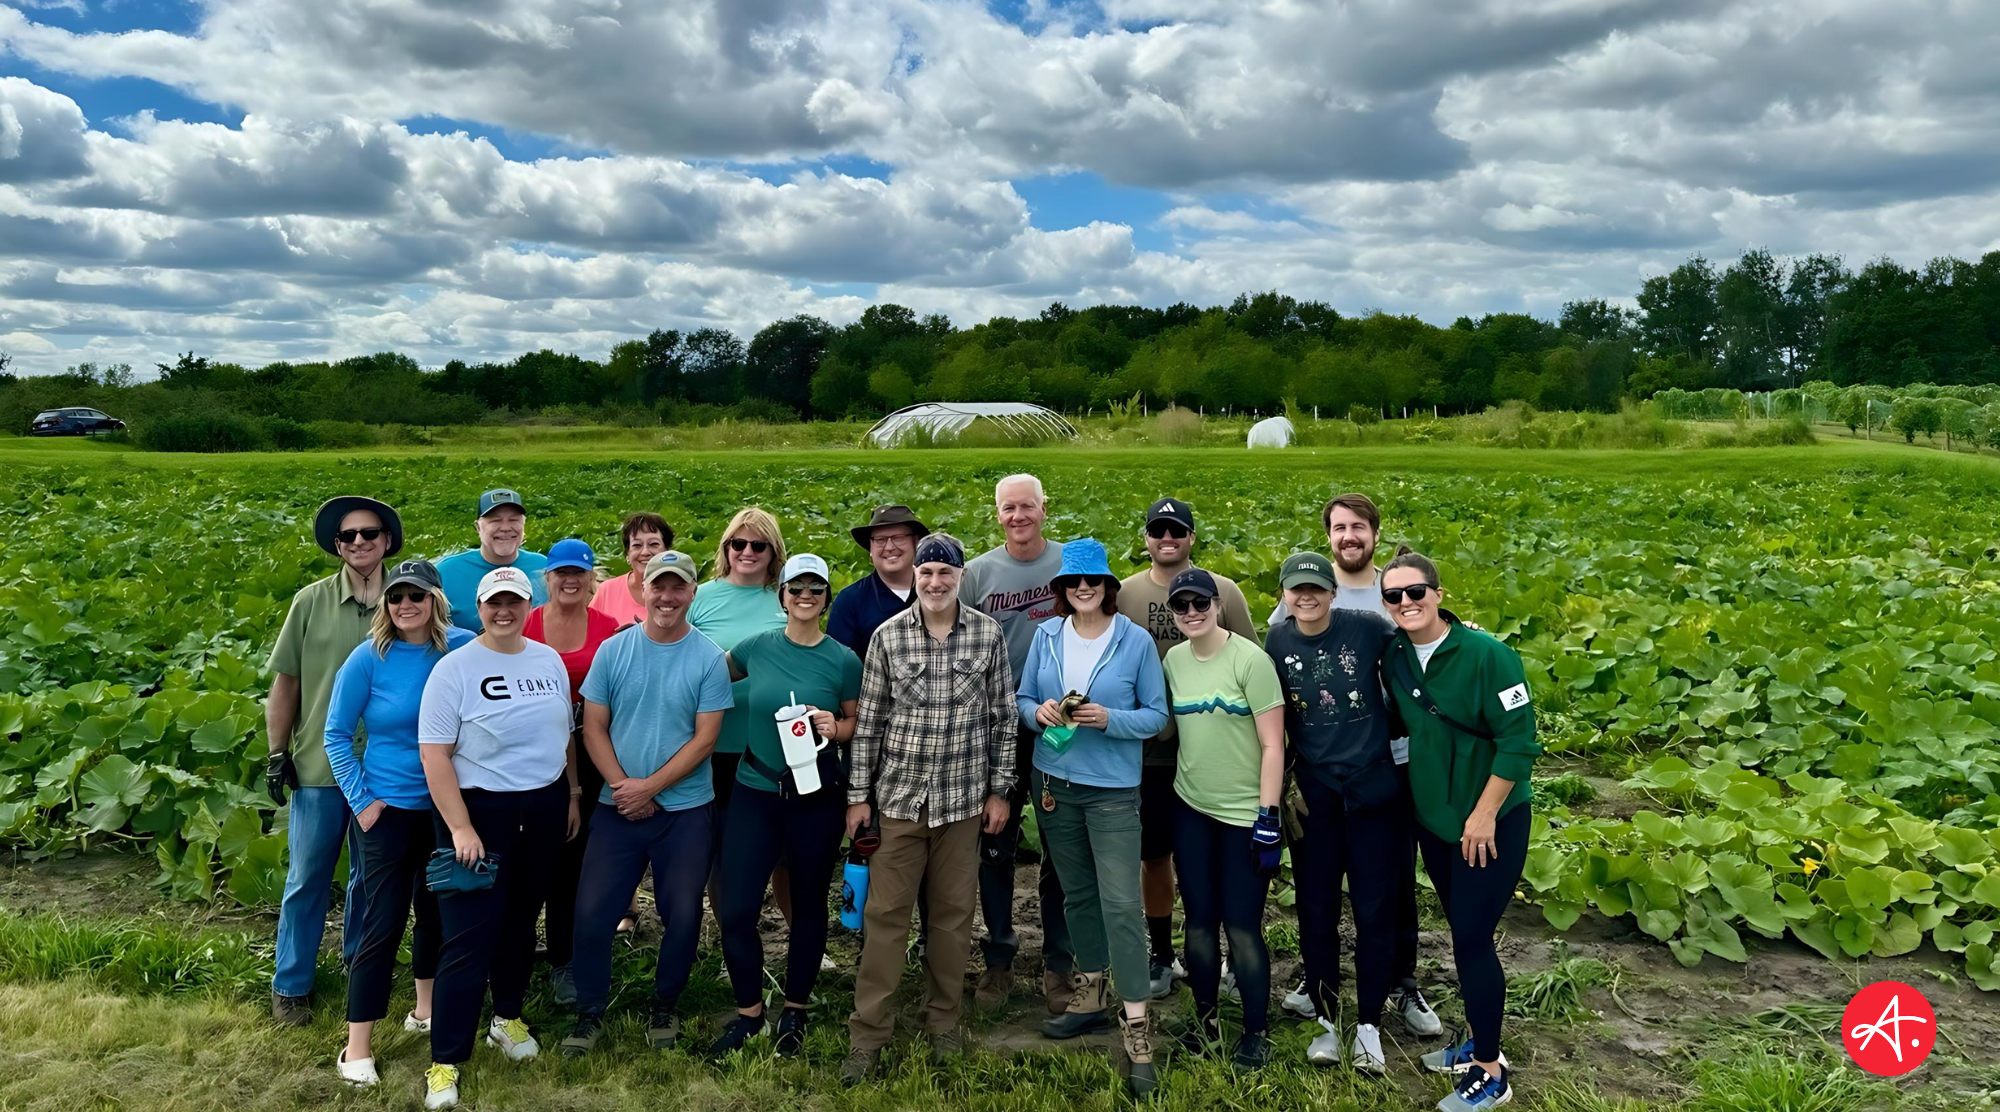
(508, 714)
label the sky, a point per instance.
(254, 180)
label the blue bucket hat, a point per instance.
(1082, 556)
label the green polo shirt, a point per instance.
(321, 629)
(1475, 680)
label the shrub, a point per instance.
(287, 435)
(345, 434)
(1177, 427)
(201, 431)
(1363, 414)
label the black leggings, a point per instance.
(393, 854)
(1473, 901)
(761, 828)
(489, 935)
(1221, 890)
(559, 925)
(1371, 849)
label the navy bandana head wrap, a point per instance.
(938, 550)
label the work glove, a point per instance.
(279, 775)
(1264, 836)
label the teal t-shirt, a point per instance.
(729, 614)
(777, 668)
(462, 571)
(654, 692)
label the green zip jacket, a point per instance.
(1476, 681)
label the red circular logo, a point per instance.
(1889, 1028)
(798, 729)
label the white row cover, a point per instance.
(944, 419)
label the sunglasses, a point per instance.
(349, 536)
(797, 589)
(1181, 604)
(1416, 591)
(1161, 530)
(1101, 582)
(398, 598)
(738, 544)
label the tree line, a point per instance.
(1761, 323)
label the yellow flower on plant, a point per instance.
(1810, 865)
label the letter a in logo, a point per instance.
(1889, 1028)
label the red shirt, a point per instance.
(598, 628)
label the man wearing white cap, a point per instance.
(652, 708)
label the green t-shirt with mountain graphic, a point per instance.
(1216, 703)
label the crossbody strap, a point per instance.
(1399, 666)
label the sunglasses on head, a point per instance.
(739, 544)
(797, 589)
(1416, 591)
(1181, 604)
(399, 597)
(349, 536)
(1161, 530)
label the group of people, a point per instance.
(499, 740)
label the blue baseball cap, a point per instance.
(571, 553)
(497, 497)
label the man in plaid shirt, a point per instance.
(933, 753)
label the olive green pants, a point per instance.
(1093, 837)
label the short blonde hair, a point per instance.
(757, 520)
(382, 627)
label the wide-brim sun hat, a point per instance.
(885, 516)
(327, 522)
(1080, 557)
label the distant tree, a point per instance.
(1677, 311)
(1811, 286)
(712, 362)
(1594, 319)
(782, 358)
(1749, 307)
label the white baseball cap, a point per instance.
(505, 581)
(804, 563)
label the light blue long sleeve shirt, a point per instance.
(384, 693)
(1127, 682)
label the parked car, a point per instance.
(73, 422)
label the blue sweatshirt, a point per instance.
(385, 693)
(1127, 682)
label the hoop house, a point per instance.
(946, 420)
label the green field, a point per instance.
(1765, 678)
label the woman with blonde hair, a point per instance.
(739, 601)
(381, 686)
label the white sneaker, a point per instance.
(1367, 1056)
(1416, 1014)
(512, 1038)
(826, 964)
(1325, 1050)
(440, 1087)
(359, 1073)
(1299, 1002)
(412, 1023)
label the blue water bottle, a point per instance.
(853, 893)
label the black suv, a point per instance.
(73, 422)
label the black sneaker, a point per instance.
(1203, 1036)
(663, 1030)
(1253, 1051)
(583, 1034)
(740, 1030)
(791, 1032)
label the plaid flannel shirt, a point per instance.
(936, 727)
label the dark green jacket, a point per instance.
(1476, 681)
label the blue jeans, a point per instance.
(320, 824)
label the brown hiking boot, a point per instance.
(946, 1045)
(292, 1011)
(858, 1066)
(995, 985)
(1086, 1012)
(1138, 1036)
(1056, 990)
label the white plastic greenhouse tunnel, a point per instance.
(944, 420)
(1271, 432)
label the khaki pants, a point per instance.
(911, 855)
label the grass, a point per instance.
(1555, 995)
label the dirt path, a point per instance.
(1636, 1034)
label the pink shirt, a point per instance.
(613, 598)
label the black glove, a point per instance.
(279, 775)
(1264, 836)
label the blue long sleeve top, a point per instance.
(1127, 682)
(384, 693)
